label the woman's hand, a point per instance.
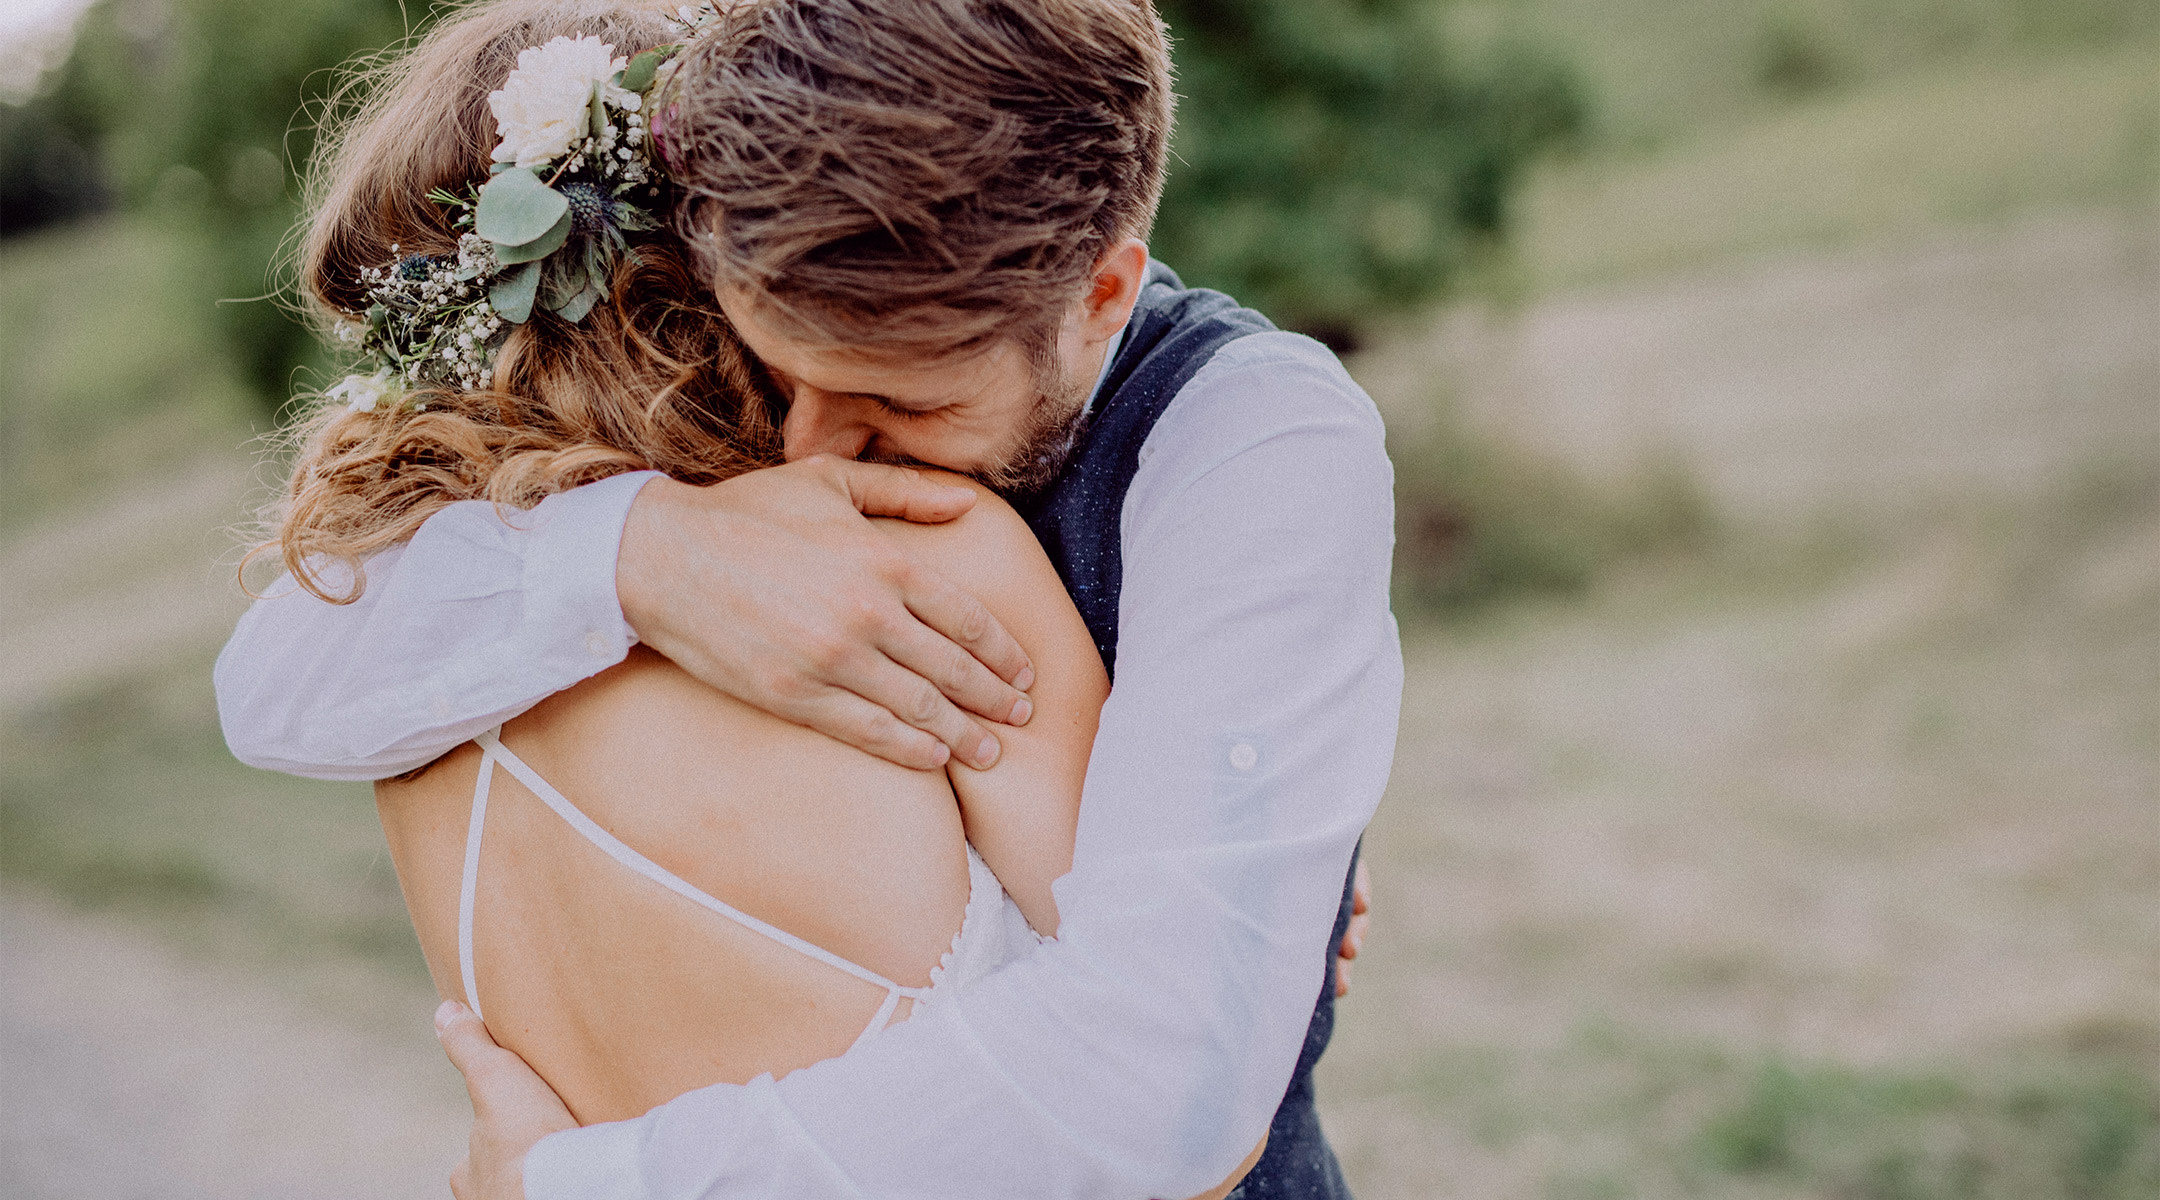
(1354, 937)
(513, 1108)
(774, 588)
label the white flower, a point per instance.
(540, 111)
(360, 393)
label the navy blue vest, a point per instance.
(1174, 331)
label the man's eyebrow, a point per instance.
(891, 402)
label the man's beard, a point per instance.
(1045, 443)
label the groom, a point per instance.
(925, 217)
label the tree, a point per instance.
(199, 112)
(1334, 160)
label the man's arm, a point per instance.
(804, 612)
(1242, 751)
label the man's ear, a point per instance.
(1113, 290)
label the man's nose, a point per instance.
(819, 422)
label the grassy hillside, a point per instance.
(113, 374)
(1666, 70)
(1957, 143)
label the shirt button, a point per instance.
(596, 644)
(1243, 757)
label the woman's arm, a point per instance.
(1021, 813)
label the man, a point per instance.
(925, 217)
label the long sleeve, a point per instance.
(479, 617)
(1242, 751)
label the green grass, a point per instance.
(113, 370)
(2076, 1130)
(1480, 523)
(1968, 142)
(1662, 70)
(1612, 1115)
(122, 797)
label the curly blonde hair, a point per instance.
(653, 377)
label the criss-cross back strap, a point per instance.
(494, 753)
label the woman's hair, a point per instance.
(652, 378)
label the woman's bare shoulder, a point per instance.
(989, 549)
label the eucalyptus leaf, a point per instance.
(561, 284)
(540, 247)
(516, 208)
(581, 303)
(639, 74)
(512, 295)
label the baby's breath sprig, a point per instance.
(572, 177)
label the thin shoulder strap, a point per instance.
(469, 884)
(494, 752)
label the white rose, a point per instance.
(540, 111)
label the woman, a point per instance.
(643, 885)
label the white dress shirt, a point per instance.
(1241, 753)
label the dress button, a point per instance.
(1244, 757)
(596, 644)
(441, 707)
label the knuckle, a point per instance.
(974, 621)
(869, 615)
(827, 655)
(923, 702)
(902, 742)
(955, 673)
(896, 569)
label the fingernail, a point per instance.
(1025, 679)
(1022, 709)
(986, 753)
(941, 754)
(445, 1014)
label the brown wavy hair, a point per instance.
(653, 377)
(919, 176)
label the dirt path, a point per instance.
(100, 593)
(136, 1073)
(1981, 362)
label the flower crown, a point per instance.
(573, 174)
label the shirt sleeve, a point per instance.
(483, 614)
(1243, 749)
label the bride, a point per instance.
(642, 885)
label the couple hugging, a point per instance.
(875, 687)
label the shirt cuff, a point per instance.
(570, 565)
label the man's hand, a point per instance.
(512, 1108)
(773, 588)
(1354, 937)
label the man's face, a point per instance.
(992, 413)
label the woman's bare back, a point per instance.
(623, 995)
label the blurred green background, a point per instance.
(1775, 394)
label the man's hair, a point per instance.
(911, 176)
